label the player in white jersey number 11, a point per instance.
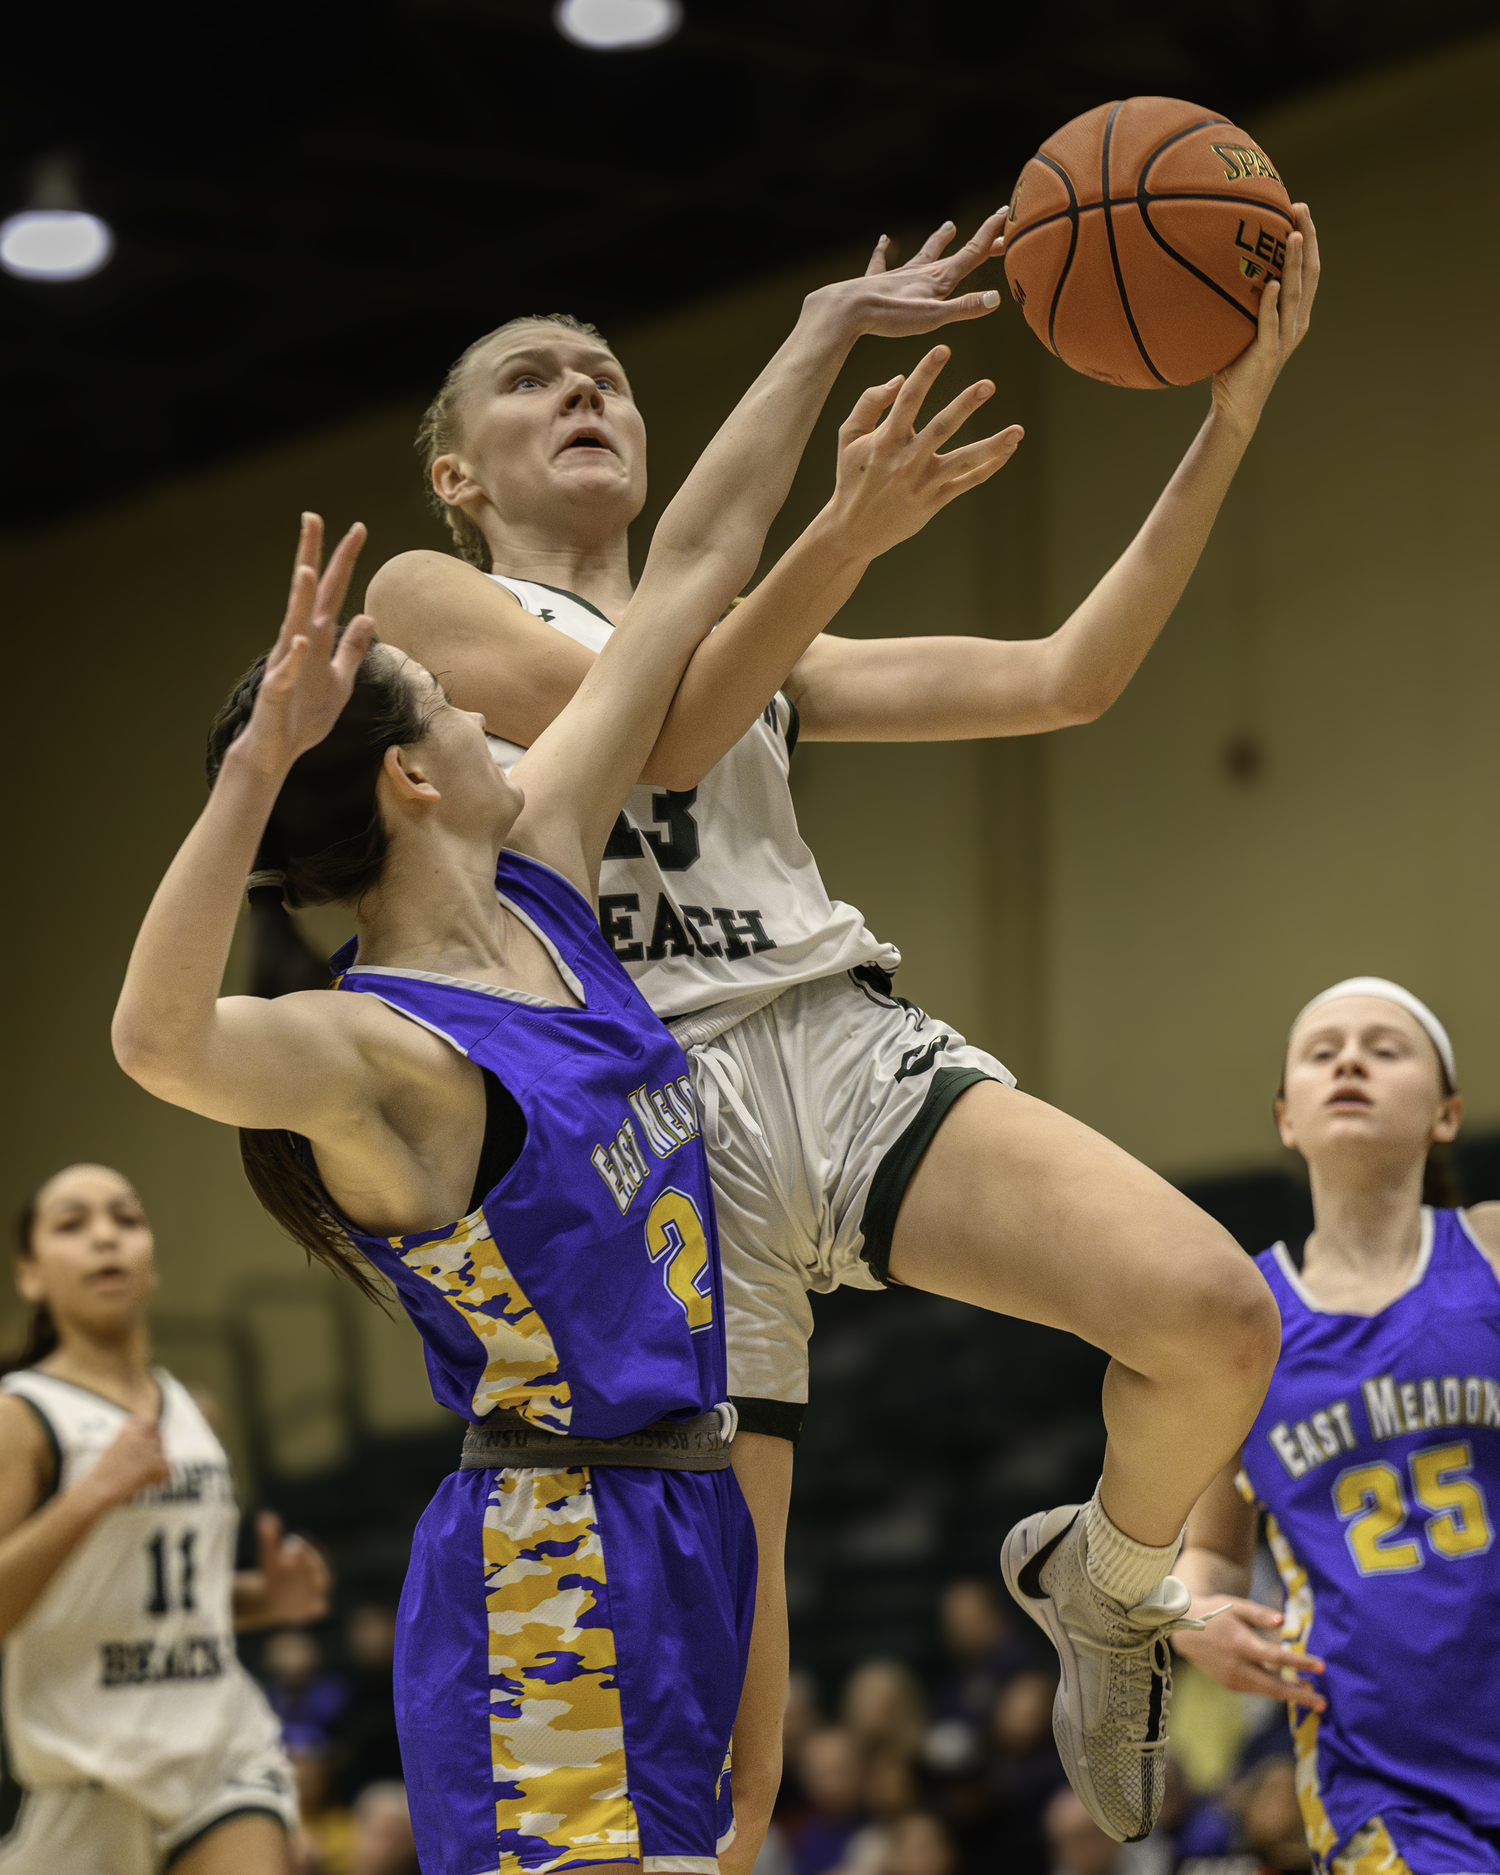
(132, 1734)
(850, 1137)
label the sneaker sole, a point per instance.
(1021, 1546)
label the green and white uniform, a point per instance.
(819, 1089)
(130, 1726)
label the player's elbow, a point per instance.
(1080, 697)
(144, 1052)
(677, 771)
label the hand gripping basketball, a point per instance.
(1141, 237)
(1241, 388)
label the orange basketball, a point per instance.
(1139, 239)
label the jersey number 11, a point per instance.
(160, 1559)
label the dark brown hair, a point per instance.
(440, 430)
(41, 1331)
(325, 843)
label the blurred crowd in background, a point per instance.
(894, 1772)
(955, 1772)
(331, 1688)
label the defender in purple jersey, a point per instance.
(1376, 1457)
(486, 1112)
(586, 1683)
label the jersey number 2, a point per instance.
(1373, 1497)
(159, 1557)
(675, 1231)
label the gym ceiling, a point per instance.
(317, 203)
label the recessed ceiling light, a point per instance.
(54, 244)
(54, 237)
(615, 25)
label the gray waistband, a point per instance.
(505, 1442)
(701, 1026)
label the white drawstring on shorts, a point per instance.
(721, 1078)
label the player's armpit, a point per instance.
(475, 636)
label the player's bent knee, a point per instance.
(1225, 1319)
(1245, 1336)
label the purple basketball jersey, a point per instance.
(1377, 1453)
(584, 1294)
(572, 1640)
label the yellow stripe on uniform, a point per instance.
(1295, 1633)
(557, 1740)
(521, 1367)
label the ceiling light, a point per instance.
(54, 237)
(615, 25)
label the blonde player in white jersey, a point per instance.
(853, 1139)
(134, 1740)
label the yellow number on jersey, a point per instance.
(675, 1231)
(1461, 1527)
(1372, 1496)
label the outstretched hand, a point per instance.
(1240, 390)
(310, 670)
(1240, 1650)
(917, 296)
(891, 477)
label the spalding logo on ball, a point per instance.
(1140, 238)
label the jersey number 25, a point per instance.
(1372, 1501)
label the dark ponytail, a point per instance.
(325, 843)
(41, 1330)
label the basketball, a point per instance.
(1140, 238)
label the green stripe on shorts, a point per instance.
(893, 1174)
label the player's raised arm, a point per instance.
(242, 1059)
(516, 669)
(948, 688)
(707, 543)
(891, 479)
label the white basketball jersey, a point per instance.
(710, 893)
(124, 1673)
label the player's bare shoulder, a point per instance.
(1483, 1221)
(28, 1463)
(420, 599)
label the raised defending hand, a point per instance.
(310, 671)
(291, 1584)
(916, 296)
(1239, 1650)
(133, 1459)
(1241, 389)
(891, 477)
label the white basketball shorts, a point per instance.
(816, 1107)
(88, 1829)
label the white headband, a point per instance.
(1393, 993)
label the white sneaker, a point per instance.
(1110, 1713)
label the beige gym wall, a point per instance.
(1106, 908)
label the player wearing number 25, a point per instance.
(1377, 1456)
